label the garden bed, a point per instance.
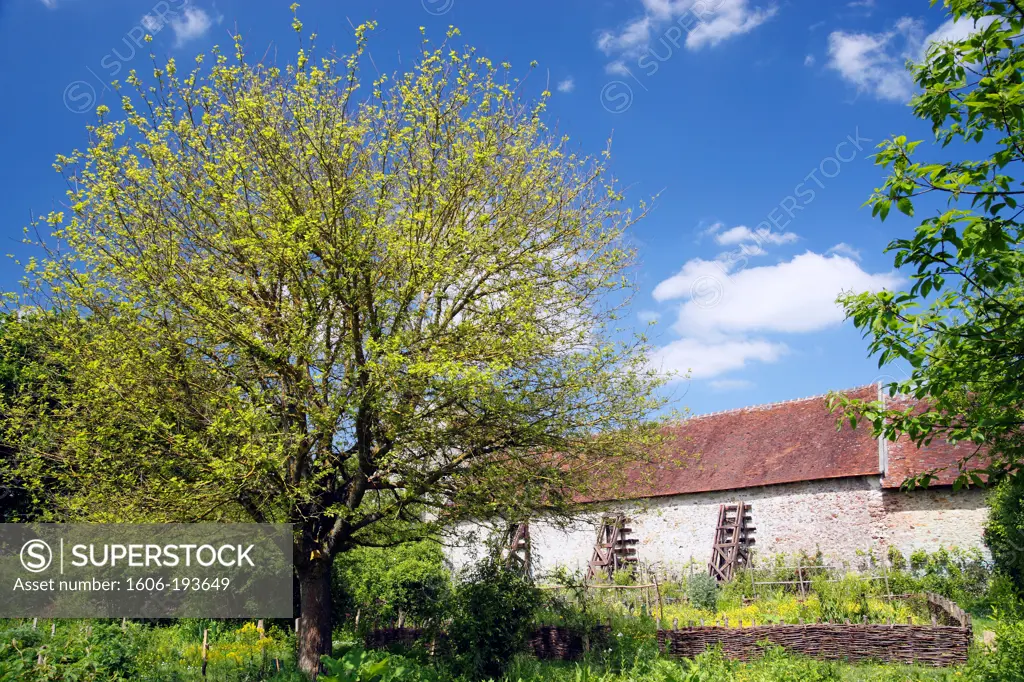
(945, 642)
(938, 645)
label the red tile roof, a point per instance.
(786, 442)
(906, 460)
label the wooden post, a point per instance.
(35, 622)
(124, 624)
(675, 623)
(800, 577)
(259, 628)
(753, 585)
(885, 573)
(661, 604)
(53, 628)
(206, 647)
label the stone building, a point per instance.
(810, 484)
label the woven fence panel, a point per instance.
(550, 643)
(931, 645)
(553, 643)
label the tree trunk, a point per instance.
(314, 636)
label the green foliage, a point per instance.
(102, 650)
(775, 665)
(295, 293)
(494, 609)
(410, 582)
(845, 598)
(961, 575)
(357, 665)
(633, 644)
(703, 592)
(1006, 662)
(573, 606)
(960, 325)
(896, 558)
(1004, 532)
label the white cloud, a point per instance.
(647, 316)
(809, 60)
(617, 68)
(876, 62)
(704, 24)
(742, 233)
(730, 384)
(795, 296)
(954, 30)
(567, 85)
(725, 309)
(191, 24)
(844, 249)
(731, 19)
(50, 4)
(705, 359)
(870, 62)
(681, 284)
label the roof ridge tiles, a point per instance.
(765, 406)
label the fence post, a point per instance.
(661, 604)
(800, 577)
(205, 649)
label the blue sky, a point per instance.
(752, 120)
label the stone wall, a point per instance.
(843, 517)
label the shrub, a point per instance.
(896, 558)
(408, 581)
(1006, 662)
(843, 598)
(494, 610)
(1004, 532)
(703, 592)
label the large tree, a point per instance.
(960, 326)
(365, 308)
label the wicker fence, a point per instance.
(936, 644)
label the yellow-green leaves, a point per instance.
(306, 302)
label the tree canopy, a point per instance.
(286, 294)
(960, 326)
